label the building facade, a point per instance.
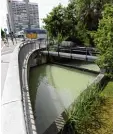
(22, 15)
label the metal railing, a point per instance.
(25, 50)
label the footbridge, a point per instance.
(71, 55)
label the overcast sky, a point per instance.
(45, 7)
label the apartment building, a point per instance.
(22, 15)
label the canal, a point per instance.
(52, 89)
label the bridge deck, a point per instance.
(72, 56)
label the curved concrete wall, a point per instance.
(15, 98)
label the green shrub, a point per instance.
(84, 114)
(103, 39)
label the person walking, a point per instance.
(15, 38)
(5, 42)
(11, 35)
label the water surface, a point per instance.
(53, 88)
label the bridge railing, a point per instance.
(27, 48)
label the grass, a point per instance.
(108, 90)
(91, 113)
(108, 93)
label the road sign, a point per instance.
(32, 35)
(5, 29)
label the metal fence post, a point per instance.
(86, 53)
(58, 49)
(70, 51)
(48, 49)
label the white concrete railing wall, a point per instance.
(14, 114)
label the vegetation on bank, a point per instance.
(108, 93)
(91, 113)
(2, 34)
(103, 39)
(108, 90)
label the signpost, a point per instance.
(32, 35)
(5, 30)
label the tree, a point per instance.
(103, 39)
(56, 24)
(2, 34)
(76, 20)
(71, 19)
(88, 13)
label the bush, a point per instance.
(84, 116)
(103, 39)
(2, 34)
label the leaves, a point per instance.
(103, 39)
(2, 34)
(76, 20)
(55, 22)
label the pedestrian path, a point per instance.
(8, 48)
(6, 52)
(5, 59)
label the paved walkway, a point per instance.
(6, 52)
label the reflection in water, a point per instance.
(52, 89)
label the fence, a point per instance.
(27, 48)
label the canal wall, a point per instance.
(58, 124)
(35, 59)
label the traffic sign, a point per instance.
(5, 29)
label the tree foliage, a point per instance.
(77, 20)
(2, 34)
(88, 13)
(103, 39)
(56, 24)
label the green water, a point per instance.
(53, 88)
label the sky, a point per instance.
(45, 6)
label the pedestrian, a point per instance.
(5, 42)
(11, 35)
(15, 39)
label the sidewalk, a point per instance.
(5, 60)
